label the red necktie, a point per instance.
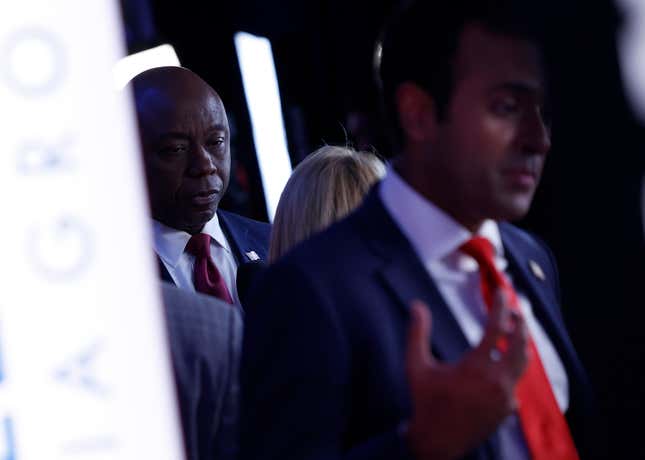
(206, 276)
(543, 424)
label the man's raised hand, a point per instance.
(457, 406)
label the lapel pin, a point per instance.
(537, 270)
(252, 255)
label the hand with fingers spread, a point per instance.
(457, 406)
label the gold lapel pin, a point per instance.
(252, 255)
(537, 270)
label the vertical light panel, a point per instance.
(631, 51)
(263, 100)
(631, 41)
(85, 372)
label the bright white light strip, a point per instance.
(631, 41)
(263, 100)
(86, 372)
(131, 66)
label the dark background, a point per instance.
(588, 206)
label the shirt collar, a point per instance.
(170, 243)
(433, 233)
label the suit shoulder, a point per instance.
(323, 247)
(239, 220)
(245, 234)
(533, 248)
(524, 239)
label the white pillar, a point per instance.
(84, 365)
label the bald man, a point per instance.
(186, 145)
(185, 139)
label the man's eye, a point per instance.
(216, 141)
(173, 149)
(505, 107)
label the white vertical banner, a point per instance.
(84, 364)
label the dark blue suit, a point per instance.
(243, 234)
(205, 337)
(323, 372)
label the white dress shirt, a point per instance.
(170, 245)
(436, 238)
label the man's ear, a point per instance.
(417, 112)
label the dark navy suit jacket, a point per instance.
(323, 373)
(243, 234)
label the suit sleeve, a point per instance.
(226, 439)
(295, 376)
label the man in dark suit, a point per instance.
(339, 361)
(205, 337)
(186, 144)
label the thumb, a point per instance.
(418, 354)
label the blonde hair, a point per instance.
(323, 188)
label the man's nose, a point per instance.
(201, 162)
(536, 135)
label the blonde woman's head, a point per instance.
(323, 188)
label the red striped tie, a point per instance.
(206, 276)
(543, 424)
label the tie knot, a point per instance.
(480, 249)
(199, 245)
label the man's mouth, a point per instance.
(521, 176)
(205, 198)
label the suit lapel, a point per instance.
(544, 306)
(163, 271)
(406, 278)
(546, 309)
(236, 238)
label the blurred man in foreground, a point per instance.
(339, 358)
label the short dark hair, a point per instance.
(420, 43)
